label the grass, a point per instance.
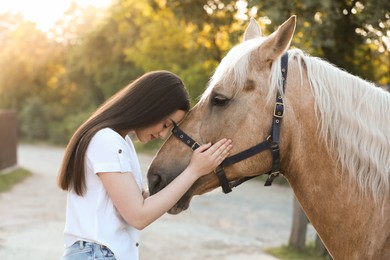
(9, 179)
(290, 253)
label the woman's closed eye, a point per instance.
(168, 125)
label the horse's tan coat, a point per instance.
(351, 225)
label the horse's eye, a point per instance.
(219, 101)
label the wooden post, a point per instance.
(299, 227)
(8, 138)
(299, 230)
(320, 248)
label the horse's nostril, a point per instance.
(155, 183)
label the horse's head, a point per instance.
(235, 105)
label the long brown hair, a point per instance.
(144, 102)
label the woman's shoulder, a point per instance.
(107, 132)
(108, 136)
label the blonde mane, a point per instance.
(353, 121)
(352, 112)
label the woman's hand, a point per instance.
(144, 209)
(207, 157)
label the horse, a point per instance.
(326, 132)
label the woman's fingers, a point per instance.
(221, 152)
(218, 151)
(225, 152)
(203, 148)
(208, 156)
(223, 149)
(218, 147)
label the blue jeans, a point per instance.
(82, 250)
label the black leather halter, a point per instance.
(271, 143)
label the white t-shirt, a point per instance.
(93, 217)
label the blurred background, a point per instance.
(59, 60)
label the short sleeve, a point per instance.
(108, 152)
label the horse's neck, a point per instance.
(350, 225)
(346, 221)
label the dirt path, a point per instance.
(217, 226)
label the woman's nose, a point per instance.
(163, 133)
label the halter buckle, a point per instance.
(274, 174)
(271, 178)
(278, 113)
(195, 146)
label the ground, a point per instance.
(236, 226)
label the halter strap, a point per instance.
(271, 143)
(276, 123)
(176, 131)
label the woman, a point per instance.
(101, 172)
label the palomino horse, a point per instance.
(329, 138)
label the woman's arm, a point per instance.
(139, 212)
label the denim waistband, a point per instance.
(86, 243)
(82, 250)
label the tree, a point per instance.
(209, 30)
(28, 64)
(91, 54)
(98, 60)
(349, 33)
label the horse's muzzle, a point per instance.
(155, 182)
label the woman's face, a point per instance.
(161, 129)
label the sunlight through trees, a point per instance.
(90, 53)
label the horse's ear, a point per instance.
(279, 41)
(252, 31)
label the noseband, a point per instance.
(271, 143)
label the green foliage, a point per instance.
(339, 31)
(33, 120)
(9, 179)
(62, 131)
(29, 65)
(164, 44)
(56, 80)
(99, 63)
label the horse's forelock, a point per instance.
(232, 71)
